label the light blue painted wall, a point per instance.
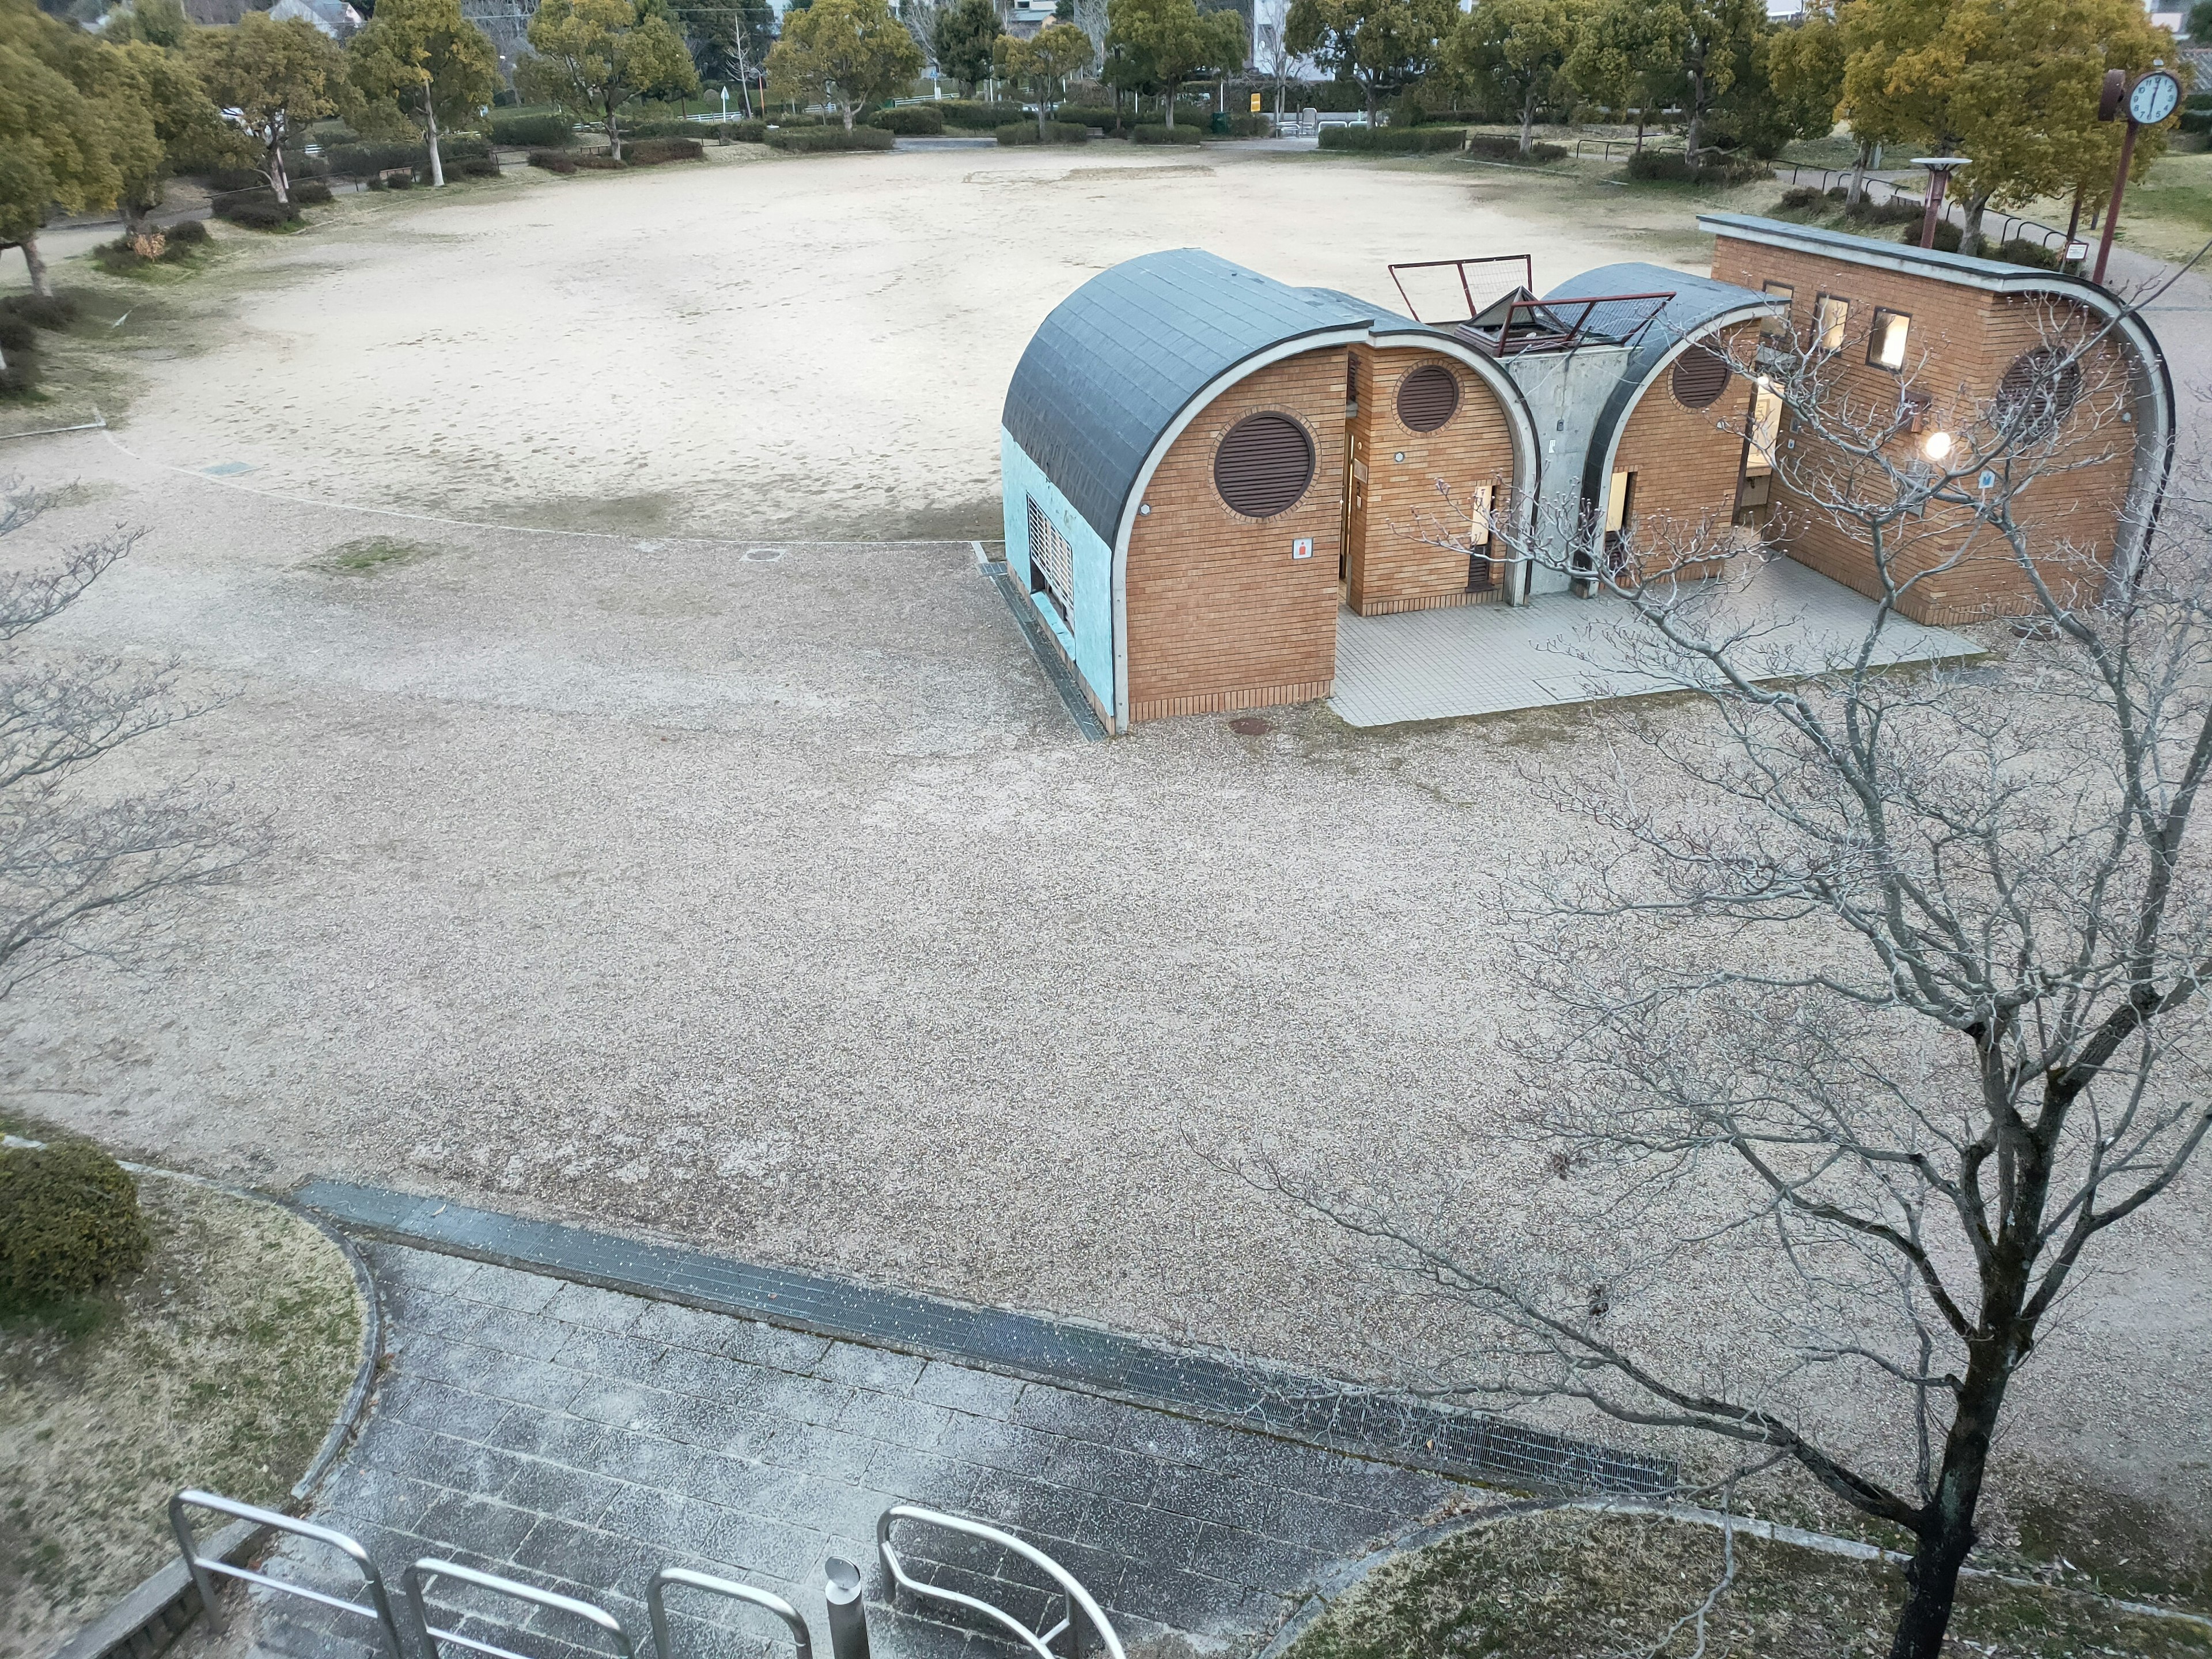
(1088, 639)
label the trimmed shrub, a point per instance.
(1251, 126)
(313, 193)
(661, 129)
(1893, 211)
(599, 161)
(909, 120)
(1947, 236)
(533, 132)
(2022, 252)
(809, 141)
(1801, 196)
(1394, 141)
(367, 160)
(461, 146)
(1496, 146)
(1092, 115)
(190, 233)
(552, 160)
(52, 312)
(229, 178)
(1159, 133)
(749, 132)
(473, 166)
(262, 216)
(1671, 166)
(652, 152)
(1055, 132)
(980, 118)
(68, 1222)
(128, 254)
(2195, 121)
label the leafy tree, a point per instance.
(853, 50)
(962, 41)
(2198, 25)
(594, 56)
(1045, 61)
(2011, 84)
(187, 130)
(1175, 41)
(1805, 72)
(1379, 45)
(1520, 48)
(424, 56)
(1686, 52)
(728, 43)
(157, 23)
(270, 79)
(61, 144)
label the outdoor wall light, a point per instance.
(1938, 447)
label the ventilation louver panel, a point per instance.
(1701, 375)
(2038, 391)
(1428, 397)
(1263, 466)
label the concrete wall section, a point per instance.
(1962, 339)
(1087, 636)
(1394, 565)
(1220, 615)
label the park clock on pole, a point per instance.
(2153, 99)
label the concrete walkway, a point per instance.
(1489, 659)
(578, 1439)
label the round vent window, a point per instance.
(2038, 391)
(1428, 397)
(1263, 466)
(1701, 375)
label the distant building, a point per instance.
(333, 17)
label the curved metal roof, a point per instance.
(1114, 364)
(1698, 304)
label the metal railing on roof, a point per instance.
(1560, 325)
(1459, 267)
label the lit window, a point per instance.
(1830, 317)
(1778, 326)
(1052, 563)
(1766, 425)
(1478, 518)
(1885, 339)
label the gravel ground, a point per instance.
(771, 901)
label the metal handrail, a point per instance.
(1039, 1643)
(683, 1578)
(201, 1565)
(1528, 276)
(1566, 336)
(429, 1567)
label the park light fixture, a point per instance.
(1937, 448)
(1940, 169)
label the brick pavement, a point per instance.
(580, 1438)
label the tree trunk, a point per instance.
(1695, 130)
(1172, 86)
(1856, 192)
(437, 161)
(1528, 120)
(37, 265)
(1947, 1534)
(1040, 115)
(1969, 239)
(845, 111)
(277, 180)
(614, 133)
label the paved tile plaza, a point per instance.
(578, 1439)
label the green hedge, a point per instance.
(1394, 141)
(651, 152)
(1671, 167)
(809, 141)
(911, 121)
(553, 161)
(979, 118)
(68, 1222)
(1495, 147)
(1091, 115)
(367, 160)
(533, 132)
(120, 258)
(1157, 133)
(2195, 121)
(1055, 132)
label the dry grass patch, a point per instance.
(221, 1363)
(1570, 1584)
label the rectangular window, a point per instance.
(1777, 326)
(1765, 427)
(1831, 317)
(1885, 339)
(1052, 563)
(1478, 518)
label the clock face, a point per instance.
(2153, 98)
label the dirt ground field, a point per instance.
(644, 855)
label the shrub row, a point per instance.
(1092, 115)
(21, 316)
(1394, 141)
(1055, 132)
(1497, 147)
(367, 160)
(259, 209)
(911, 121)
(1251, 126)
(2017, 251)
(652, 152)
(809, 141)
(1157, 132)
(980, 118)
(533, 132)
(1671, 167)
(128, 253)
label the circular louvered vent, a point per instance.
(1263, 466)
(1428, 397)
(2038, 391)
(1701, 375)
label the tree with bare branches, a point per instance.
(84, 866)
(1873, 1010)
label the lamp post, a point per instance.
(1940, 169)
(2150, 101)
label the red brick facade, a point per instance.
(1961, 340)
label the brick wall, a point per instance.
(1962, 340)
(1390, 567)
(1687, 461)
(1219, 614)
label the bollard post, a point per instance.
(849, 1617)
